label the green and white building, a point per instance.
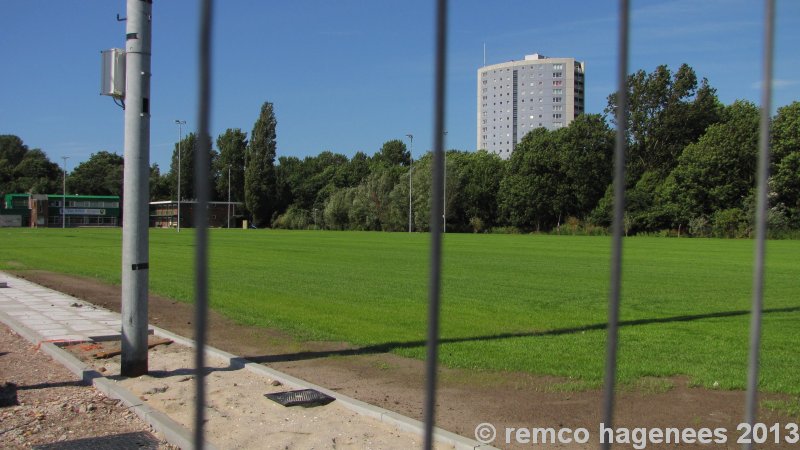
(56, 210)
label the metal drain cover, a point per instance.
(127, 441)
(303, 397)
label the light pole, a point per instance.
(180, 123)
(410, 167)
(64, 195)
(444, 189)
(134, 274)
(229, 196)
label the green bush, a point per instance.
(505, 230)
(699, 227)
(293, 219)
(730, 223)
(476, 223)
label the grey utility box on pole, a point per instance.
(112, 76)
(136, 185)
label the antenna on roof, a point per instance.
(484, 54)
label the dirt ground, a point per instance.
(238, 415)
(465, 398)
(43, 404)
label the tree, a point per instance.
(186, 159)
(357, 169)
(372, 206)
(25, 170)
(421, 190)
(337, 209)
(553, 175)
(478, 175)
(159, 184)
(529, 192)
(287, 175)
(393, 153)
(786, 132)
(308, 183)
(101, 174)
(785, 184)
(473, 179)
(718, 171)
(37, 174)
(12, 150)
(666, 112)
(232, 146)
(260, 182)
(317, 178)
(586, 161)
(187, 148)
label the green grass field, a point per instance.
(510, 302)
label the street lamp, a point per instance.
(410, 167)
(229, 196)
(444, 190)
(64, 195)
(180, 124)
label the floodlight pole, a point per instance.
(444, 187)
(64, 195)
(180, 123)
(410, 167)
(229, 196)
(136, 178)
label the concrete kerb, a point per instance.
(178, 435)
(174, 433)
(384, 415)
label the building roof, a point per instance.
(189, 202)
(70, 196)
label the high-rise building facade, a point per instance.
(517, 97)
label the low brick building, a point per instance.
(164, 214)
(56, 210)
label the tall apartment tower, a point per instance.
(519, 96)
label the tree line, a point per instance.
(690, 170)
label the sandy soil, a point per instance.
(237, 412)
(43, 403)
(465, 398)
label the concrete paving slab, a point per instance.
(51, 334)
(67, 338)
(36, 322)
(86, 326)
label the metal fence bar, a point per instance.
(751, 401)
(437, 205)
(202, 190)
(619, 211)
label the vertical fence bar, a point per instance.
(437, 204)
(619, 211)
(201, 218)
(751, 402)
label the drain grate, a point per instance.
(126, 441)
(305, 397)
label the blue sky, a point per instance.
(348, 75)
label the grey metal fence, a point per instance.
(441, 15)
(751, 402)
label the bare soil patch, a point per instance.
(238, 415)
(465, 398)
(41, 403)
